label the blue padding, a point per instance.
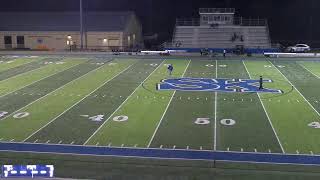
(162, 153)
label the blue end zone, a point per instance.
(215, 85)
(162, 153)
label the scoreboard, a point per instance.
(44, 171)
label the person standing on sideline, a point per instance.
(224, 53)
(260, 83)
(170, 69)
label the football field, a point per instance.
(114, 102)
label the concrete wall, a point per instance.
(104, 40)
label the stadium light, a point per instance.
(69, 37)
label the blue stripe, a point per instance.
(162, 153)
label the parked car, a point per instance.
(298, 48)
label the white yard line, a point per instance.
(160, 65)
(164, 113)
(37, 80)
(295, 88)
(215, 113)
(309, 70)
(49, 93)
(274, 131)
(78, 102)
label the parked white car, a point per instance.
(299, 48)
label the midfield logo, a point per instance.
(215, 85)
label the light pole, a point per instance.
(81, 26)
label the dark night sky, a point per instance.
(293, 20)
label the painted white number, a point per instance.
(21, 115)
(60, 62)
(97, 118)
(112, 64)
(153, 65)
(280, 66)
(202, 121)
(3, 113)
(120, 118)
(228, 122)
(314, 125)
(267, 66)
(209, 65)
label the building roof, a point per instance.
(64, 21)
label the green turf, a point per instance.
(144, 110)
(11, 63)
(178, 127)
(20, 98)
(17, 82)
(312, 67)
(289, 113)
(71, 127)
(57, 102)
(252, 130)
(19, 70)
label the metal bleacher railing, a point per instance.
(216, 10)
(237, 21)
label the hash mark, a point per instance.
(228, 149)
(11, 140)
(269, 151)
(174, 146)
(97, 144)
(72, 142)
(35, 141)
(1, 139)
(187, 147)
(47, 141)
(109, 144)
(161, 146)
(200, 147)
(241, 149)
(135, 145)
(122, 145)
(59, 142)
(311, 152)
(255, 150)
(297, 152)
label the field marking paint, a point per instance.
(165, 111)
(102, 125)
(38, 80)
(309, 70)
(215, 113)
(78, 101)
(274, 131)
(51, 93)
(296, 89)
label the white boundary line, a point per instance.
(17, 75)
(14, 59)
(215, 113)
(295, 89)
(50, 93)
(78, 102)
(38, 79)
(165, 111)
(308, 70)
(274, 131)
(103, 124)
